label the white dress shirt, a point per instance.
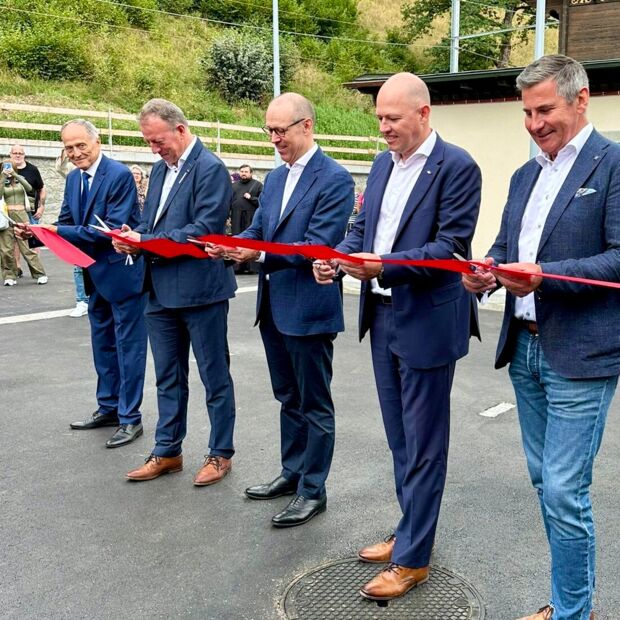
(397, 191)
(91, 172)
(172, 174)
(544, 193)
(294, 174)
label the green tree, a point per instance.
(488, 52)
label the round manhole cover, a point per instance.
(331, 592)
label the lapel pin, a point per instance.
(428, 172)
(596, 157)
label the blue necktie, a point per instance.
(84, 194)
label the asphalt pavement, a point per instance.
(79, 541)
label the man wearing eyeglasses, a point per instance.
(305, 201)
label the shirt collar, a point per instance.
(93, 168)
(424, 150)
(575, 145)
(306, 157)
(183, 157)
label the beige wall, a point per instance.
(495, 136)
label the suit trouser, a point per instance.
(300, 368)
(415, 405)
(118, 335)
(171, 331)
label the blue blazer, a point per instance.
(578, 324)
(317, 213)
(433, 315)
(198, 204)
(114, 199)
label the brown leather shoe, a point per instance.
(212, 471)
(379, 553)
(155, 466)
(394, 581)
(546, 613)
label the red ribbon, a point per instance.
(325, 253)
(64, 250)
(162, 247)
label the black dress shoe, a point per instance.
(300, 510)
(125, 433)
(270, 490)
(97, 420)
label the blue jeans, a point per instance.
(562, 423)
(78, 279)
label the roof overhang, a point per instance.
(490, 85)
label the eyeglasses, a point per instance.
(280, 131)
(17, 153)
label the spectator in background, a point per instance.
(142, 183)
(63, 167)
(245, 202)
(14, 189)
(357, 207)
(36, 194)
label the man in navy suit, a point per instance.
(103, 187)
(189, 196)
(306, 201)
(561, 339)
(421, 202)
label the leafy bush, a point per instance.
(46, 52)
(240, 65)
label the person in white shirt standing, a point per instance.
(421, 202)
(305, 201)
(560, 338)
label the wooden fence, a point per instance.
(223, 138)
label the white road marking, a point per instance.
(493, 412)
(54, 314)
(37, 316)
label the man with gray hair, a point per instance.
(105, 188)
(189, 195)
(560, 338)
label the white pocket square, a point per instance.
(584, 191)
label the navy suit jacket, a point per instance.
(433, 315)
(578, 325)
(316, 213)
(198, 204)
(113, 198)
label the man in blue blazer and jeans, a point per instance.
(306, 201)
(189, 196)
(104, 188)
(421, 202)
(561, 339)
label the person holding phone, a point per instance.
(14, 189)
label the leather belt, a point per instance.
(531, 326)
(384, 300)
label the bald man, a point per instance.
(421, 202)
(305, 201)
